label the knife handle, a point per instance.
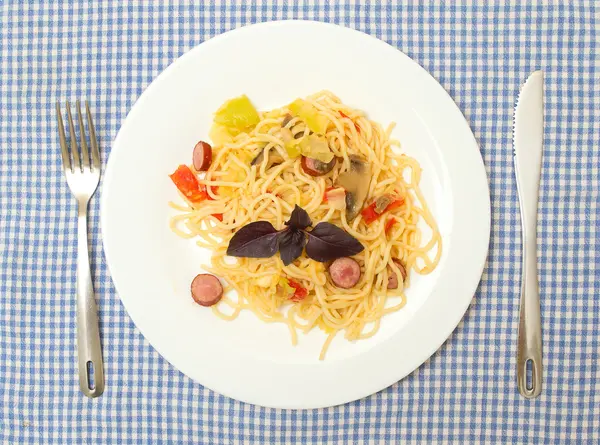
(529, 347)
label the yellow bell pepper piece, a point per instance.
(238, 113)
(310, 115)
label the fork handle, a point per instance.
(89, 350)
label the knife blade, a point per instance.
(528, 132)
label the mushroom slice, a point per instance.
(356, 183)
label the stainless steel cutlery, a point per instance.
(82, 171)
(528, 143)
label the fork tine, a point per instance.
(63, 140)
(74, 148)
(93, 141)
(85, 155)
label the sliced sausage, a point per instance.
(314, 167)
(206, 289)
(393, 278)
(202, 156)
(345, 272)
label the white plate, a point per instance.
(273, 63)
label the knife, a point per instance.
(528, 134)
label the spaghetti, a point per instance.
(239, 193)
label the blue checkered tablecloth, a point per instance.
(466, 393)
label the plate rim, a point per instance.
(352, 395)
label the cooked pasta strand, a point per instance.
(249, 193)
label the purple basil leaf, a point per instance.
(328, 242)
(291, 245)
(255, 240)
(299, 219)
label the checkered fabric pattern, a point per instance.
(466, 393)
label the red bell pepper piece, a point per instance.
(389, 224)
(369, 214)
(214, 189)
(394, 204)
(300, 293)
(187, 183)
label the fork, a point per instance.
(83, 175)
